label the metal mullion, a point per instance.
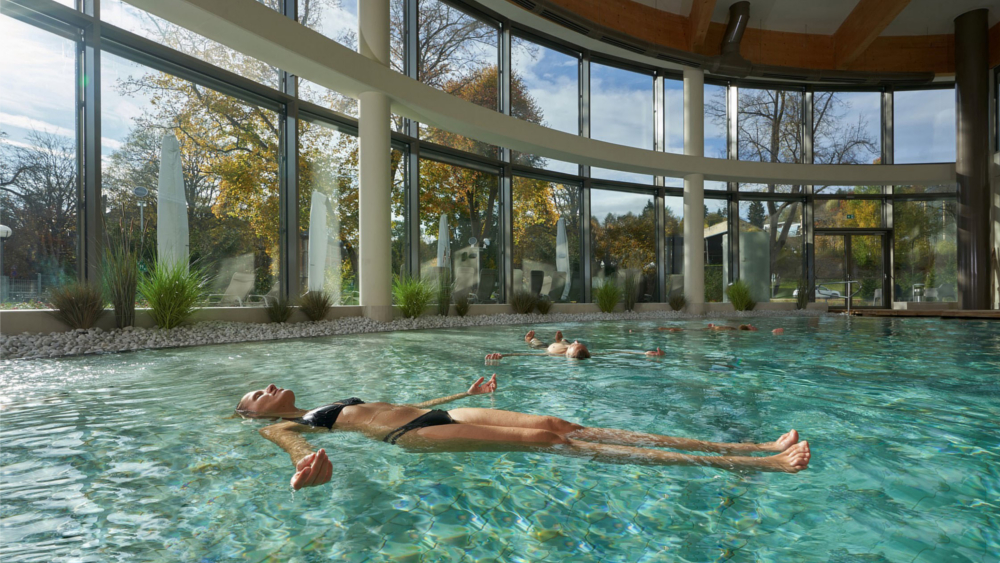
(545, 175)
(411, 211)
(306, 114)
(506, 233)
(586, 244)
(45, 14)
(661, 246)
(90, 213)
(533, 36)
(583, 89)
(289, 271)
(139, 49)
(455, 157)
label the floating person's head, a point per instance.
(269, 401)
(577, 351)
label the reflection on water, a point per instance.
(133, 456)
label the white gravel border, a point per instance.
(97, 341)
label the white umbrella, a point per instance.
(444, 243)
(562, 254)
(171, 206)
(318, 236)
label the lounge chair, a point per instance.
(264, 300)
(537, 280)
(239, 288)
(558, 286)
(487, 283)
(465, 280)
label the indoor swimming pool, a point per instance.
(137, 457)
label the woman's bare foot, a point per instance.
(792, 460)
(787, 440)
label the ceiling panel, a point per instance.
(937, 17)
(822, 17)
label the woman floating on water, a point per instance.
(474, 429)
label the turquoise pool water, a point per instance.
(131, 457)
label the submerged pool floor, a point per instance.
(133, 457)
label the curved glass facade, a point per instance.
(251, 135)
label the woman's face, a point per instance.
(270, 400)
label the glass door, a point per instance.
(850, 269)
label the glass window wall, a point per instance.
(546, 257)
(223, 155)
(847, 128)
(769, 129)
(673, 112)
(328, 212)
(716, 122)
(459, 230)
(716, 248)
(458, 54)
(38, 171)
(623, 234)
(847, 213)
(925, 251)
(771, 243)
(621, 110)
(673, 231)
(924, 126)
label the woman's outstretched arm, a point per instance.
(478, 388)
(311, 468)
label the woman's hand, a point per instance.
(493, 359)
(479, 387)
(312, 471)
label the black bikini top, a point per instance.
(327, 416)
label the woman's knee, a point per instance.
(560, 426)
(552, 438)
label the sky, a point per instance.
(43, 97)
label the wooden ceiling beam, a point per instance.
(698, 23)
(862, 27)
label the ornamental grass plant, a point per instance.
(523, 302)
(278, 310)
(315, 304)
(630, 291)
(739, 296)
(120, 275)
(544, 305)
(79, 305)
(678, 302)
(607, 295)
(172, 291)
(462, 305)
(412, 295)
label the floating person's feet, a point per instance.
(792, 460)
(787, 440)
(656, 352)
(670, 329)
(778, 331)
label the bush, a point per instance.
(802, 297)
(316, 304)
(607, 295)
(412, 295)
(713, 284)
(172, 292)
(523, 302)
(739, 296)
(462, 305)
(631, 290)
(120, 274)
(444, 293)
(79, 305)
(544, 305)
(678, 302)
(278, 310)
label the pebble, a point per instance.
(97, 341)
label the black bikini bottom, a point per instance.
(433, 418)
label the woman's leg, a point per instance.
(492, 417)
(630, 438)
(474, 437)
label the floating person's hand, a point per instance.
(312, 471)
(493, 359)
(656, 352)
(478, 388)
(778, 331)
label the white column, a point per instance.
(374, 205)
(694, 192)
